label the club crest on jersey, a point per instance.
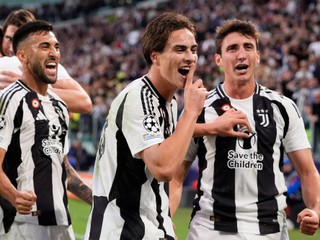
(2, 123)
(150, 124)
(263, 113)
(225, 107)
(35, 103)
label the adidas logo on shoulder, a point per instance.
(41, 116)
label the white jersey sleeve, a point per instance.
(140, 129)
(6, 126)
(62, 73)
(10, 64)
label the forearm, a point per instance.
(203, 129)
(175, 193)
(310, 185)
(79, 188)
(76, 101)
(7, 190)
(163, 159)
(76, 185)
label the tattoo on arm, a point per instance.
(76, 185)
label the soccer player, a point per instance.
(142, 144)
(35, 172)
(241, 192)
(10, 67)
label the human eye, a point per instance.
(194, 50)
(249, 46)
(8, 39)
(180, 49)
(231, 48)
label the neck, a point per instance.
(165, 89)
(37, 86)
(239, 90)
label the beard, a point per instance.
(40, 74)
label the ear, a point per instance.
(21, 54)
(154, 57)
(258, 57)
(217, 59)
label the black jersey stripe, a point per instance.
(43, 168)
(267, 208)
(223, 192)
(126, 187)
(10, 164)
(100, 204)
(58, 107)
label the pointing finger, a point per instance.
(190, 75)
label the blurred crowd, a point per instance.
(100, 44)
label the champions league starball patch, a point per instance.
(151, 124)
(2, 123)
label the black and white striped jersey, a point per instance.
(34, 134)
(129, 203)
(241, 185)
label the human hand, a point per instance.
(309, 221)
(224, 125)
(7, 77)
(194, 93)
(24, 202)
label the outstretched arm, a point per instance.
(76, 185)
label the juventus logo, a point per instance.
(263, 113)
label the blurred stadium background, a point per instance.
(100, 44)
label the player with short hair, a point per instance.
(241, 192)
(142, 143)
(35, 173)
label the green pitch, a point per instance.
(80, 211)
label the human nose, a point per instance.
(191, 56)
(241, 54)
(54, 52)
(10, 50)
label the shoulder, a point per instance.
(273, 95)
(12, 94)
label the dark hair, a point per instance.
(158, 30)
(27, 29)
(245, 28)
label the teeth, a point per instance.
(51, 65)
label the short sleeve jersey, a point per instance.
(129, 203)
(33, 132)
(241, 184)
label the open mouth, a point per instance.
(242, 67)
(184, 71)
(51, 66)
